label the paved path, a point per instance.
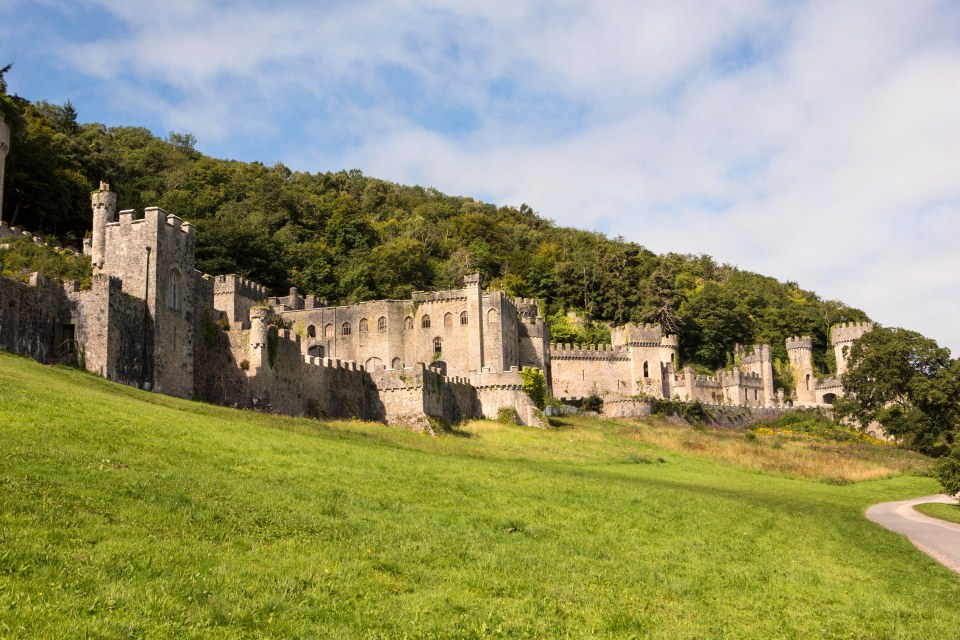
(937, 538)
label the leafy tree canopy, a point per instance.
(906, 383)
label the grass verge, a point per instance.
(948, 512)
(129, 514)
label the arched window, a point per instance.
(315, 350)
(646, 370)
(397, 363)
(464, 318)
(345, 329)
(807, 381)
(363, 325)
(311, 331)
(425, 322)
(328, 331)
(408, 322)
(492, 315)
(382, 324)
(448, 319)
(174, 293)
(437, 346)
(373, 364)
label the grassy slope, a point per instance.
(949, 512)
(126, 514)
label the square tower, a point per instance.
(154, 257)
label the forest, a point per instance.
(347, 237)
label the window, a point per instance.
(492, 315)
(363, 325)
(174, 292)
(345, 329)
(316, 351)
(646, 370)
(425, 322)
(397, 363)
(373, 364)
(437, 346)
(807, 382)
(464, 318)
(408, 322)
(328, 331)
(311, 331)
(448, 319)
(382, 324)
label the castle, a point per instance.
(151, 320)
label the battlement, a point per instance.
(670, 341)
(333, 363)
(799, 342)
(450, 295)
(587, 352)
(232, 284)
(848, 332)
(647, 335)
(759, 353)
(154, 215)
(488, 379)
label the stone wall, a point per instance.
(582, 371)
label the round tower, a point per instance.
(104, 204)
(800, 352)
(4, 150)
(842, 336)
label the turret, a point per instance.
(104, 204)
(800, 352)
(842, 337)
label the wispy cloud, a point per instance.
(814, 141)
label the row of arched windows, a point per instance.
(425, 323)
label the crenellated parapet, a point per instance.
(759, 354)
(635, 335)
(848, 331)
(799, 342)
(232, 284)
(587, 352)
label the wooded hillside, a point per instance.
(347, 237)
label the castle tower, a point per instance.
(800, 352)
(645, 344)
(4, 149)
(669, 349)
(760, 362)
(475, 323)
(104, 204)
(842, 336)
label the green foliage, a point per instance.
(21, 256)
(947, 471)
(905, 382)
(534, 385)
(592, 403)
(507, 415)
(692, 412)
(811, 424)
(346, 237)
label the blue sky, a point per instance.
(817, 142)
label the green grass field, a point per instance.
(948, 512)
(130, 515)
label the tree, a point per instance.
(947, 471)
(907, 384)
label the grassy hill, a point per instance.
(126, 514)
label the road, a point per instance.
(938, 539)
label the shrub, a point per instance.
(535, 385)
(947, 471)
(592, 403)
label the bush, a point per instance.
(593, 403)
(947, 471)
(535, 385)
